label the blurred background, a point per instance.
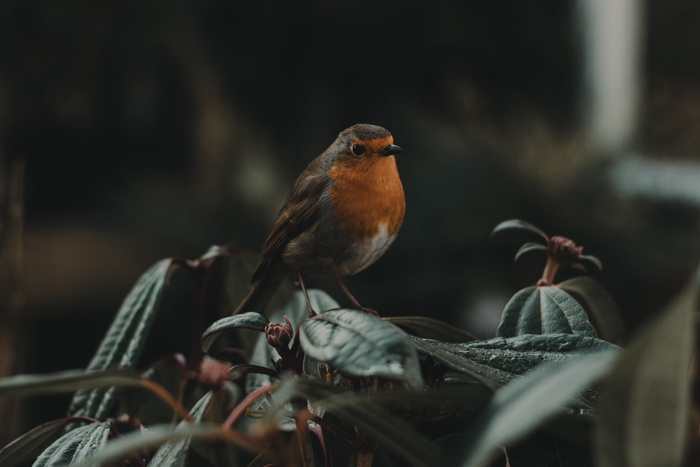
(132, 131)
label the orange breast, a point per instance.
(366, 194)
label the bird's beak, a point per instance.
(391, 150)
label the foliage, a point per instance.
(319, 387)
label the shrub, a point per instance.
(318, 384)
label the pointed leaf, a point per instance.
(147, 406)
(592, 259)
(430, 328)
(519, 408)
(529, 247)
(646, 404)
(544, 310)
(496, 362)
(360, 344)
(382, 427)
(157, 435)
(125, 339)
(518, 224)
(26, 448)
(67, 381)
(174, 452)
(93, 441)
(76, 446)
(369, 418)
(250, 320)
(599, 305)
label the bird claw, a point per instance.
(369, 310)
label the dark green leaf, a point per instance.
(369, 418)
(67, 381)
(469, 396)
(544, 310)
(26, 448)
(495, 362)
(592, 259)
(249, 320)
(430, 328)
(75, 447)
(145, 405)
(522, 406)
(529, 247)
(138, 441)
(382, 427)
(645, 409)
(174, 452)
(360, 344)
(599, 305)
(125, 339)
(518, 224)
(215, 251)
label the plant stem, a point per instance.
(305, 448)
(361, 459)
(243, 405)
(550, 272)
(163, 393)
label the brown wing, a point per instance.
(300, 211)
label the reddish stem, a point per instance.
(550, 272)
(305, 447)
(364, 458)
(243, 405)
(163, 393)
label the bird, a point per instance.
(341, 215)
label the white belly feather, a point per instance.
(363, 254)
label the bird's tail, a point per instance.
(260, 294)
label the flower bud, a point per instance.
(213, 373)
(279, 335)
(564, 250)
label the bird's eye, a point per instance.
(358, 149)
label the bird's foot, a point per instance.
(353, 301)
(312, 313)
(368, 310)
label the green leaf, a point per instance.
(67, 381)
(250, 320)
(174, 452)
(592, 259)
(518, 224)
(646, 404)
(430, 328)
(496, 362)
(157, 435)
(125, 339)
(519, 408)
(147, 406)
(599, 306)
(544, 310)
(369, 418)
(25, 449)
(360, 344)
(382, 427)
(529, 247)
(76, 446)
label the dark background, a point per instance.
(132, 131)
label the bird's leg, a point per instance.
(353, 301)
(312, 313)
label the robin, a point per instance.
(341, 215)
